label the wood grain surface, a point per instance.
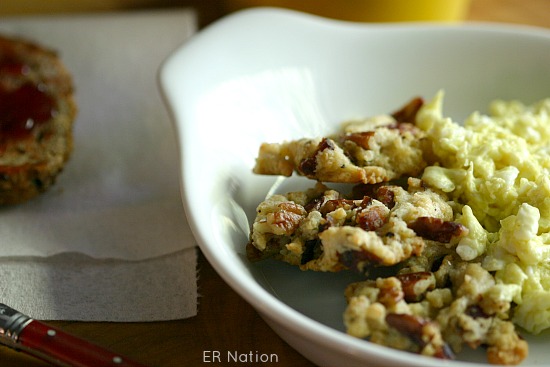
(225, 322)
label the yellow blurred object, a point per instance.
(369, 10)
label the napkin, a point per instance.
(110, 241)
(73, 286)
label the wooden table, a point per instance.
(225, 322)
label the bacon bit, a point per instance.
(408, 112)
(436, 229)
(308, 166)
(361, 138)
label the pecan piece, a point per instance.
(308, 166)
(332, 205)
(408, 325)
(381, 192)
(357, 260)
(408, 112)
(360, 138)
(421, 332)
(371, 219)
(436, 229)
(315, 204)
(415, 285)
(386, 196)
(391, 291)
(287, 218)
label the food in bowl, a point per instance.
(363, 152)
(454, 253)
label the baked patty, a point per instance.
(37, 111)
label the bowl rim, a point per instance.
(247, 287)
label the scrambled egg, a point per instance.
(496, 170)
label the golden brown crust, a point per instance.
(31, 160)
(437, 313)
(323, 230)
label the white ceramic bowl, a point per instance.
(269, 75)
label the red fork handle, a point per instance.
(53, 345)
(58, 347)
